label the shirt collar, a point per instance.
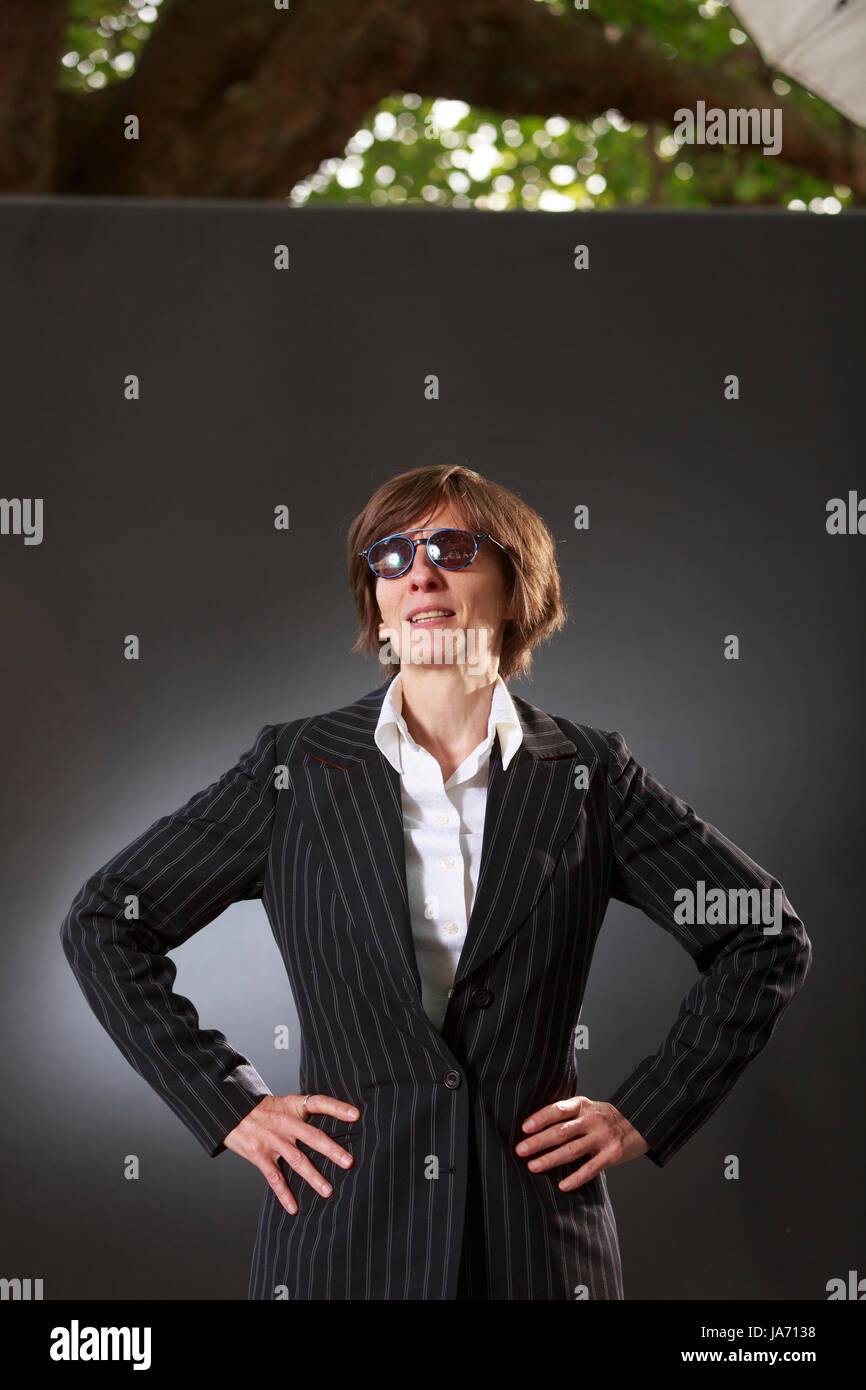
(391, 728)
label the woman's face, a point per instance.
(475, 596)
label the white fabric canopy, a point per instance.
(821, 43)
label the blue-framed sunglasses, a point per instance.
(449, 549)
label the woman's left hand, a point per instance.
(575, 1127)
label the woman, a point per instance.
(436, 859)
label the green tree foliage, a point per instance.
(418, 148)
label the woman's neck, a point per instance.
(447, 711)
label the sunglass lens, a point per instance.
(452, 549)
(390, 557)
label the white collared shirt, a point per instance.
(443, 830)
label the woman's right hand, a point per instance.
(272, 1129)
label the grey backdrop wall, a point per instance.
(305, 387)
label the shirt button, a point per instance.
(452, 928)
(442, 818)
(447, 863)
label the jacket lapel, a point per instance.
(348, 795)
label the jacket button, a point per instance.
(452, 1080)
(481, 998)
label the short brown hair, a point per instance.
(533, 576)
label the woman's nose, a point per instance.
(422, 566)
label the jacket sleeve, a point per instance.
(180, 874)
(748, 975)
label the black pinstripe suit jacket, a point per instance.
(437, 1204)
